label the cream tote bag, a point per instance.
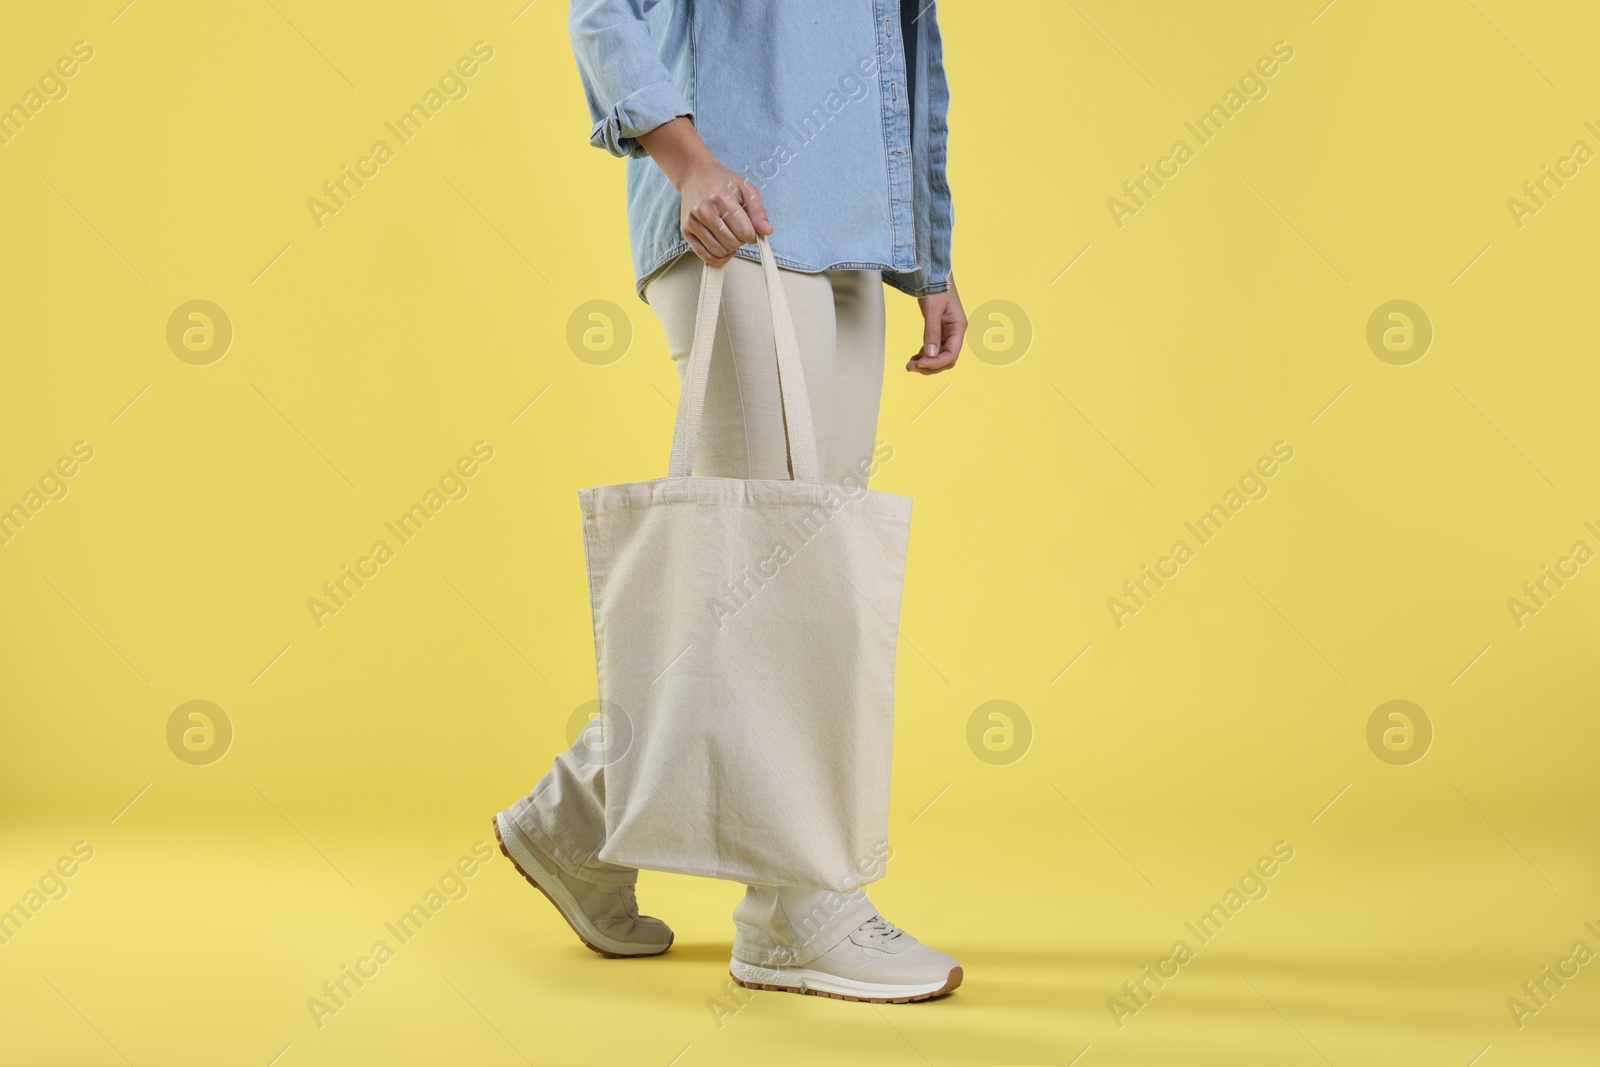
(745, 642)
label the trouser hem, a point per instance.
(526, 824)
(808, 944)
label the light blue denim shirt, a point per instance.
(833, 109)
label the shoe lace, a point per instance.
(630, 903)
(881, 929)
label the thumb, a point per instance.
(755, 208)
(932, 337)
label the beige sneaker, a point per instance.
(605, 917)
(879, 962)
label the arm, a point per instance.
(638, 111)
(944, 319)
(624, 82)
(721, 210)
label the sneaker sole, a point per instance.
(862, 992)
(531, 880)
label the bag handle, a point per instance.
(800, 435)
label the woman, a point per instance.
(827, 116)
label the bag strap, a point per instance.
(799, 432)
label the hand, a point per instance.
(721, 211)
(944, 328)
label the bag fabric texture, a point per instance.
(745, 635)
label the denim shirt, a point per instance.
(833, 109)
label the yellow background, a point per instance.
(1228, 314)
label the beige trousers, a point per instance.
(839, 322)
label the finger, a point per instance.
(699, 248)
(755, 208)
(932, 335)
(738, 220)
(713, 251)
(955, 335)
(708, 240)
(709, 216)
(938, 357)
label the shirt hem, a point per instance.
(752, 253)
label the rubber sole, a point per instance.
(591, 946)
(949, 987)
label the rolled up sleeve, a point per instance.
(627, 87)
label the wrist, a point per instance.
(678, 150)
(695, 160)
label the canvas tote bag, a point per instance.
(745, 638)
